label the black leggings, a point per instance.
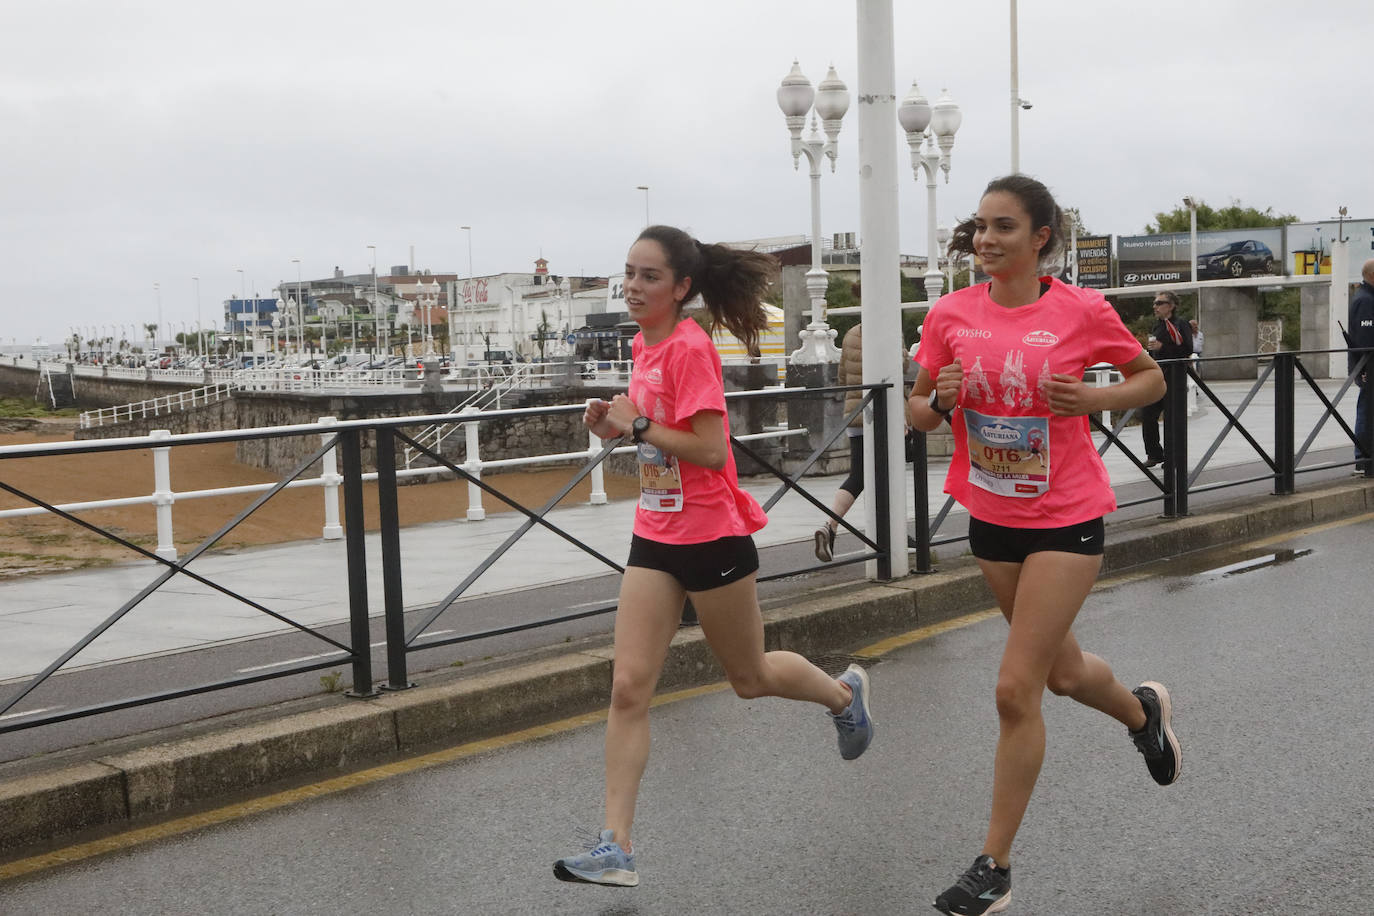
(854, 483)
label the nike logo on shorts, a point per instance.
(726, 572)
(1085, 540)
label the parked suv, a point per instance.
(1238, 259)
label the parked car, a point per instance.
(1237, 259)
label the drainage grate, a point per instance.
(836, 664)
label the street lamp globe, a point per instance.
(795, 95)
(914, 112)
(831, 100)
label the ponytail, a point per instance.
(730, 281)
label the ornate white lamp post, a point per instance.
(926, 128)
(831, 98)
(427, 298)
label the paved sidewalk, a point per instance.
(43, 616)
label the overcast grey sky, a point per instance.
(149, 141)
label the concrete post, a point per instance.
(163, 496)
(330, 478)
(598, 475)
(1338, 298)
(879, 230)
(472, 463)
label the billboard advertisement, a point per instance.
(1221, 254)
(1095, 261)
(1308, 245)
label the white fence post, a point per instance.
(594, 446)
(163, 495)
(330, 478)
(473, 465)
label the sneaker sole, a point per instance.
(611, 877)
(823, 551)
(1166, 713)
(1000, 904)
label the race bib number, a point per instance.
(1009, 456)
(660, 482)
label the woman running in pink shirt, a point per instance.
(1004, 362)
(693, 525)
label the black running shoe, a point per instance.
(984, 888)
(1156, 740)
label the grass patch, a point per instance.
(20, 407)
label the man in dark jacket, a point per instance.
(1170, 338)
(1361, 333)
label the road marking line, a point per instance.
(311, 658)
(29, 712)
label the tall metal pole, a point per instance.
(467, 288)
(200, 338)
(376, 315)
(1015, 100)
(300, 311)
(878, 273)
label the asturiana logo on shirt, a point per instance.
(972, 332)
(999, 433)
(654, 376)
(1040, 339)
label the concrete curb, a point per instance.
(176, 776)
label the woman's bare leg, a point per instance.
(650, 607)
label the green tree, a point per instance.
(1236, 216)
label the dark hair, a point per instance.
(1037, 201)
(731, 281)
(1170, 295)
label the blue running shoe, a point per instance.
(854, 725)
(604, 863)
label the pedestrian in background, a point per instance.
(693, 524)
(1004, 361)
(1170, 338)
(851, 372)
(1197, 336)
(1361, 318)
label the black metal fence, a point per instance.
(1283, 459)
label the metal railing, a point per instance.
(156, 407)
(347, 439)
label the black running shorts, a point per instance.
(1013, 545)
(699, 567)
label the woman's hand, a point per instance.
(1069, 397)
(596, 418)
(949, 382)
(623, 413)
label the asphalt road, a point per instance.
(747, 808)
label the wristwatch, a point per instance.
(638, 428)
(934, 403)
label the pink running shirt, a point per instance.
(671, 381)
(1015, 464)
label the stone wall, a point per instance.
(91, 391)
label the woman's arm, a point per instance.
(1143, 383)
(705, 445)
(948, 383)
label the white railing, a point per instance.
(156, 407)
(163, 497)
